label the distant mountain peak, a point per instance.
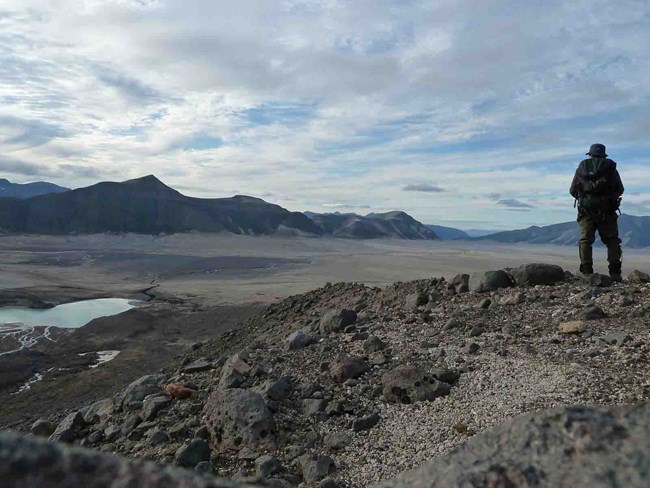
(28, 190)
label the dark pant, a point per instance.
(607, 227)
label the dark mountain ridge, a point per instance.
(28, 190)
(145, 205)
(148, 206)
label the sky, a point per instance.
(471, 113)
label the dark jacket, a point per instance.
(614, 179)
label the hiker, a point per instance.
(597, 188)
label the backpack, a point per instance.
(596, 188)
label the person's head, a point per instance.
(597, 151)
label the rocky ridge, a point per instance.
(350, 385)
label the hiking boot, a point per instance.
(616, 277)
(586, 270)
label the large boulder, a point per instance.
(537, 274)
(460, 283)
(483, 281)
(140, 388)
(336, 320)
(238, 418)
(27, 461)
(69, 428)
(409, 384)
(99, 411)
(569, 446)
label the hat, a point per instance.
(597, 150)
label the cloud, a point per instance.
(512, 203)
(423, 187)
(18, 167)
(331, 101)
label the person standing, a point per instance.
(597, 188)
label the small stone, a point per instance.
(337, 320)
(193, 453)
(266, 466)
(348, 367)
(446, 375)
(158, 437)
(617, 338)
(315, 468)
(415, 300)
(178, 391)
(484, 304)
(471, 348)
(592, 312)
(311, 406)
(373, 344)
(204, 467)
(476, 331)
(112, 432)
(153, 405)
(337, 441)
(69, 428)
(365, 423)
(637, 276)
(572, 327)
(299, 340)
(452, 324)
(514, 299)
(129, 424)
(198, 366)
(42, 428)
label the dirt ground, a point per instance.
(201, 286)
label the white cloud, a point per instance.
(480, 96)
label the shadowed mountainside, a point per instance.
(147, 206)
(28, 190)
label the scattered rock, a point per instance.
(178, 391)
(42, 428)
(484, 304)
(365, 423)
(471, 348)
(617, 338)
(476, 331)
(158, 437)
(239, 418)
(266, 466)
(131, 422)
(337, 441)
(189, 455)
(373, 344)
(314, 468)
(276, 390)
(445, 375)
(347, 367)
(68, 429)
(572, 327)
(198, 366)
(298, 340)
(408, 384)
(336, 320)
(489, 281)
(415, 300)
(99, 411)
(140, 388)
(460, 283)
(154, 404)
(538, 274)
(513, 299)
(592, 312)
(637, 276)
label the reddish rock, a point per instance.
(177, 391)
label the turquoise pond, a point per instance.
(69, 315)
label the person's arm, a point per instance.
(575, 184)
(617, 184)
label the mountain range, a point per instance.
(28, 190)
(148, 206)
(634, 232)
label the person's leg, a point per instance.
(608, 231)
(587, 238)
